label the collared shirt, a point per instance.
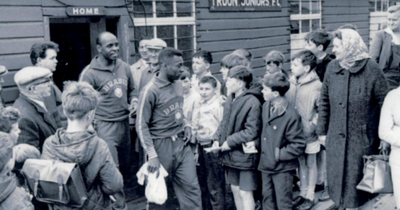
(207, 115)
(160, 112)
(188, 103)
(38, 102)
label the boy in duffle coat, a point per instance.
(282, 142)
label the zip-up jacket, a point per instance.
(304, 95)
(159, 113)
(116, 87)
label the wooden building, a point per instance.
(219, 26)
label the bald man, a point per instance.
(112, 77)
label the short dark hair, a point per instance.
(186, 73)
(207, 57)
(168, 53)
(245, 53)
(209, 79)
(242, 73)
(319, 37)
(8, 116)
(307, 58)
(38, 50)
(277, 82)
(231, 60)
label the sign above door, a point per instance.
(86, 11)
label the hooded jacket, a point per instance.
(116, 87)
(241, 123)
(13, 197)
(91, 153)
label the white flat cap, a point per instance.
(156, 43)
(3, 70)
(30, 74)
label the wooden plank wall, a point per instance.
(260, 32)
(21, 25)
(339, 12)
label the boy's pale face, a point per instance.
(311, 46)
(297, 68)
(199, 66)
(186, 85)
(268, 94)
(207, 91)
(14, 132)
(233, 85)
(224, 71)
(272, 67)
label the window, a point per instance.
(170, 20)
(305, 17)
(378, 16)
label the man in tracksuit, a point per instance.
(113, 79)
(162, 129)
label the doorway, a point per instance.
(76, 38)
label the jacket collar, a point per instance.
(47, 117)
(95, 64)
(280, 110)
(160, 83)
(310, 77)
(354, 69)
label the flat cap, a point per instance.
(156, 43)
(31, 74)
(3, 70)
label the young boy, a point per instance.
(201, 62)
(9, 117)
(79, 144)
(304, 94)
(274, 61)
(317, 42)
(282, 142)
(189, 95)
(11, 196)
(207, 116)
(244, 53)
(239, 130)
(22, 152)
(229, 61)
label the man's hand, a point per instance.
(225, 147)
(188, 135)
(153, 165)
(133, 105)
(322, 140)
(384, 146)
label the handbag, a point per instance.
(55, 182)
(377, 176)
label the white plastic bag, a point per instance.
(156, 189)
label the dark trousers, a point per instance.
(277, 190)
(178, 161)
(211, 179)
(117, 136)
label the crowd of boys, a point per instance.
(245, 132)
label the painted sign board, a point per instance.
(86, 11)
(245, 5)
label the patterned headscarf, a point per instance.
(354, 48)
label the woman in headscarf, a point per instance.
(385, 48)
(351, 98)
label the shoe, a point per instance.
(298, 201)
(319, 187)
(324, 196)
(306, 205)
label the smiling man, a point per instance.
(138, 67)
(113, 79)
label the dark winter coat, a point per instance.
(282, 139)
(241, 123)
(91, 153)
(349, 112)
(36, 123)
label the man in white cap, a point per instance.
(112, 77)
(138, 67)
(154, 47)
(3, 71)
(36, 123)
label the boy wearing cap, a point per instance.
(154, 47)
(164, 133)
(274, 61)
(240, 129)
(138, 67)
(36, 122)
(11, 196)
(44, 54)
(112, 77)
(282, 142)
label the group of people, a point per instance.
(235, 143)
